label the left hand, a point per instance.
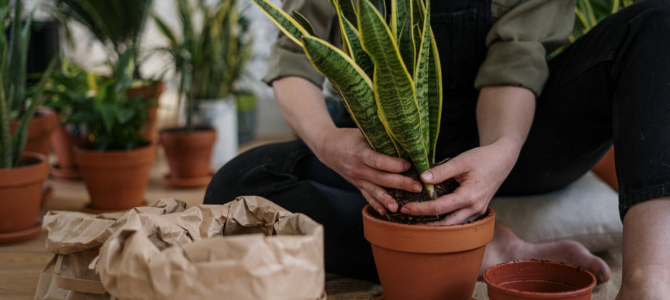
(479, 171)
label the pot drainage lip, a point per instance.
(19, 236)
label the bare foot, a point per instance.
(507, 246)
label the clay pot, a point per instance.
(116, 180)
(606, 169)
(63, 144)
(151, 91)
(39, 131)
(427, 262)
(20, 198)
(535, 279)
(188, 154)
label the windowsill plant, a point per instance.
(209, 58)
(22, 173)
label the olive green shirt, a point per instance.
(523, 33)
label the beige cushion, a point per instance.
(585, 211)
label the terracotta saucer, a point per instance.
(13, 237)
(175, 182)
(91, 210)
(382, 298)
(62, 173)
(47, 193)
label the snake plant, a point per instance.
(13, 100)
(387, 75)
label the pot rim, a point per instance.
(15, 177)
(385, 223)
(89, 151)
(181, 130)
(516, 292)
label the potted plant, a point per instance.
(22, 173)
(210, 60)
(117, 25)
(389, 78)
(114, 158)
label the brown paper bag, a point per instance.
(76, 238)
(247, 249)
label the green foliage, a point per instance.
(117, 24)
(210, 57)
(100, 106)
(388, 75)
(13, 100)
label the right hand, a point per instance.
(346, 151)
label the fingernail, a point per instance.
(407, 165)
(381, 211)
(427, 176)
(417, 188)
(601, 277)
(404, 211)
(390, 206)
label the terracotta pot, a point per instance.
(116, 180)
(63, 144)
(535, 279)
(39, 131)
(20, 198)
(606, 169)
(151, 91)
(188, 154)
(427, 262)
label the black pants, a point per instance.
(611, 86)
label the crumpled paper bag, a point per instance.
(76, 238)
(247, 249)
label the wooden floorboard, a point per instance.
(22, 263)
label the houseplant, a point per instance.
(117, 25)
(210, 58)
(114, 159)
(389, 79)
(22, 173)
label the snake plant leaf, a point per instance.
(418, 12)
(347, 9)
(393, 86)
(355, 89)
(400, 11)
(435, 95)
(352, 43)
(421, 77)
(406, 44)
(417, 41)
(304, 23)
(21, 133)
(380, 5)
(166, 31)
(290, 27)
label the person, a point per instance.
(513, 124)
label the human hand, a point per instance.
(346, 151)
(479, 171)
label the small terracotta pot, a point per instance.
(39, 131)
(188, 153)
(151, 91)
(535, 279)
(427, 262)
(63, 144)
(116, 180)
(20, 198)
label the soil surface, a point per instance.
(403, 197)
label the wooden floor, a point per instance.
(21, 263)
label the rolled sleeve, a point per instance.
(520, 40)
(288, 58)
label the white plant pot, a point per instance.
(222, 115)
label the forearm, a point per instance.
(304, 108)
(505, 114)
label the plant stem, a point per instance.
(5, 133)
(430, 191)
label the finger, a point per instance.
(391, 180)
(374, 203)
(383, 162)
(379, 194)
(449, 169)
(439, 206)
(458, 217)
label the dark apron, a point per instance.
(460, 28)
